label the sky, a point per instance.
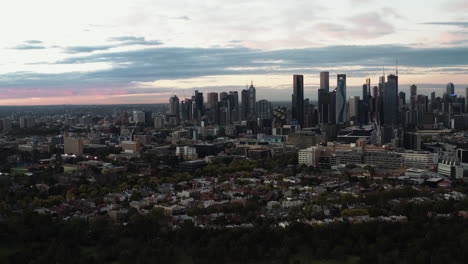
(144, 51)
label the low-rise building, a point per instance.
(309, 156)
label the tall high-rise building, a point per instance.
(450, 89)
(332, 108)
(413, 96)
(26, 122)
(174, 105)
(264, 109)
(234, 104)
(365, 103)
(466, 100)
(298, 99)
(245, 104)
(252, 101)
(390, 100)
(310, 114)
(148, 117)
(381, 85)
(197, 98)
(401, 98)
(138, 117)
(223, 96)
(324, 98)
(325, 81)
(341, 99)
(186, 109)
(413, 90)
(5, 124)
(368, 83)
(365, 91)
(323, 106)
(354, 108)
(212, 100)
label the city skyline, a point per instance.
(142, 52)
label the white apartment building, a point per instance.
(187, 152)
(418, 159)
(309, 156)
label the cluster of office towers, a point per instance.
(377, 105)
(381, 106)
(221, 108)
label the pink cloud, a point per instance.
(363, 26)
(454, 37)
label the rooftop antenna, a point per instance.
(383, 70)
(396, 67)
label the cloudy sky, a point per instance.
(143, 51)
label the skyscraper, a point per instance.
(212, 100)
(186, 109)
(401, 98)
(298, 99)
(234, 104)
(174, 106)
(264, 109)
(390, 100)
(252, 101)
(365, 91)
(325, 81)
(368, 83)
(198, 99)
(450, 89)
(466, 100)
(245, 104)
(413, 90)
(354, 108)
(324, 98)
(341, 99)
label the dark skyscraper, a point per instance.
(234, 102)
(264, 109)
(324, 98)
(450, 89)
(365, 91)
(324, 106)
(466, 99)
(252, 101)
(174, 106)
(402, 98)
(340, 101)
(390, 100)
(186, 109)
(413, 90)
(212, 100)
(245, 104)
(298, 99)
(198, 108)
(325, 81)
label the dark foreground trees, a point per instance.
(31, 238)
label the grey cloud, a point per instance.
(123, 41)
(33, 41)
(28, 47)
(178, 63)
(182, 18)
(459, 24)
(131, 40)
(87, 49)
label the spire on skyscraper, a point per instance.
(396, 67)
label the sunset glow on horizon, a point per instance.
(144, 51)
